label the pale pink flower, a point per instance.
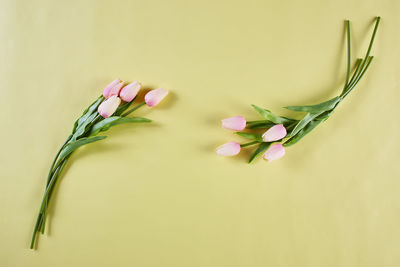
(228, 149)
(154, 97)
(129, 92)
(274, 133)
(115, 90)
(109, 106)
(275, 151)
(106, 92)
(236, 123)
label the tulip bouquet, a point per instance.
(281, 131)
(105, 112)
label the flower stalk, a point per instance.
(104, 113)
(282, 131)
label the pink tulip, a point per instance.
(115, 90)
(236, 123)
(274, 133)
(106, 92)
(109, 106)
(275, 151)
(129, 92)
(154, 97)
(228, 149)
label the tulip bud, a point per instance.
(106, 92)
(129, 92)
(274, 133)
(275, 151)
(154, 97)
(228, 149)
(109, 106)
(236, 123)
(115, 90)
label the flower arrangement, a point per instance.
(105, 112)
(282, 131)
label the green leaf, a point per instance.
(261, 148)
(105, 124)
(303, 132)
(122, 108)
(302, 123)
(270, 116)
(72, 146)
(251, 136)
(324, 106)
(87, 113)
(259, 124)
(83, 127)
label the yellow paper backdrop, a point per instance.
(157, 195)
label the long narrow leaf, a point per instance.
(251, 136)
(72, 146)
(261, 149)
(84, 126)
(87, 113)
(270, 116)
(303, 132)
(307, 118)
(105, 124)
(327, 105)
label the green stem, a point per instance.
(348, 54)
(40, 214)
(249, 144)
(351, 87)
(361, 68)
(133, 109)
(59, 171)
(51, 171)
(55, 159)
(358, 67)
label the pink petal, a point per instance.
(106, 92)
(154, 97)
(274, 133)
(228, 149)
(115, 90)
(275, 151)
(236, 123)
(129, 92)
(109, 106)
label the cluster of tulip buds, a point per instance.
(281, 131)
(105, 112)
(116, 91)
(272, 136)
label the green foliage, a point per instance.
(88, 112)
(268, 115)
(260, 149)
(315, 114)
(324, 106)
(73, 145)
(107, 123)
(251, 136)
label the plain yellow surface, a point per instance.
(157, 195)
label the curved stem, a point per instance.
(133, 109)
(56, 157)
(348, 54)
(249, 144)
(59, 171)
(40, 215)
(351, 87)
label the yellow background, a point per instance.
(157, 195)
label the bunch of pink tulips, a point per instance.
(272, 135)
(116, 91)
(281, 131)
(108, 110)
